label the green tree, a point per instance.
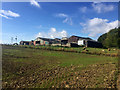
(111, 39)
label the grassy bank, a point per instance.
(113, 52)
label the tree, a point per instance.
(111, 39)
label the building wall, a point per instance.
(46, 43)
(21, 43)
(94, 44)
(66, 45)
(31, 43)
(37, 43)
(24, 43)
(64, 42)
(56, 44)
(34, 43)
(80, 42)
(73, 39)
(74, 45)
(42, 42)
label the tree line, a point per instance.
(111, 39)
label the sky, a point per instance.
(29, 20)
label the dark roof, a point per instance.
(46, 39)
(15, 43)
(57, 39)
(64, 40)
(25, 41)
(82, 37)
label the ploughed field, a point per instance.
(37, 68)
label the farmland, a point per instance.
(24, 67)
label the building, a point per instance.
(81, 42)
(42, 41)
(24, 42)
(27, 42)
(64, 41)
(46, 41)
(89, 43)
(74, 39)
(57, 42)
(92, 43)
(31, 42)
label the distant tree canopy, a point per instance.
(111, 39)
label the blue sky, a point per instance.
(28, 20)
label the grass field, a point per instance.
(36, 68)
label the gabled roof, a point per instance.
(46, 39)
(57, 39)
(82, 37)
(25, 41)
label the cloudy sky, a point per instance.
(28, 20)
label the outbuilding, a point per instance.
(90, 43)
(24, 42)
(46, 41)
(74, 39)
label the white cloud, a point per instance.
(83, 9)
(52, 33)
(4, 16)
(100, 7)
(62, 15)
(67, 19)
(7, 14)
(53, 29)
(34, 3)
(97, 26)
(97, 1)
